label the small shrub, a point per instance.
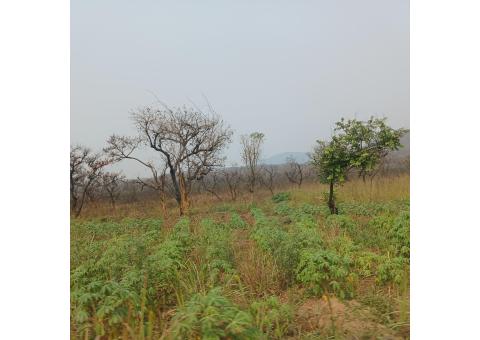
(281, 197)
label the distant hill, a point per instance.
(281, 158)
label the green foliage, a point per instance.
(286, 245)
(269, 237)
(125, 274)
(391, 269)
(281, 197)
(282, 209)
(372, 209)
(121, 271)
(365, 263)
(400, 235)
(236, 221)
(354, 145)
(212, 316)
(325, 271)
(216, 242)
(341, 221)
(163, 263)
(272, 317)
(104, 304)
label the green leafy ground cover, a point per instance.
(332, 276)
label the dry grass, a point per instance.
(257, 270)
(203, 205)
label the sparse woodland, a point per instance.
(201, 250)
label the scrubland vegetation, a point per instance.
(278, 267)
(302, 251)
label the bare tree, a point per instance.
(210, 184)
(85, 169)
(251, 152)
(78, 156)
(294, 172)
(188, 140)
(233, 178)
(120, 147)
(268, 176)
(111, 183)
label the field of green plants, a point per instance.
(282, 268)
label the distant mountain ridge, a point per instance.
(282, 158)
(302, 157)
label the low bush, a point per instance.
(281, 197)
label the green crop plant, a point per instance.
(212, 316)
(391, 269)
(325, 272)
(261, 220)
(281, 197)
(216, 242)
(272, 317)
(141, 278)
(399, 234)
(236, 221)
(103, 306)
(342, 222)
(366, 263)
(286, 245)
(283, 209)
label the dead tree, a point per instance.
(188, 140)
(233, 179)
(294, 172)
(111, 182)
(85, 170)
(251, 152)
(210, 184)
(267, 177)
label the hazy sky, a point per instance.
(287, 68)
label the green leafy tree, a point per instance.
(354, 145)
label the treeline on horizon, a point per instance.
(190, 144)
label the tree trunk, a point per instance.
(163, 198)
(331, 201)
(80, 206)
(112, 200)
(184, 202)
(176, 188)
